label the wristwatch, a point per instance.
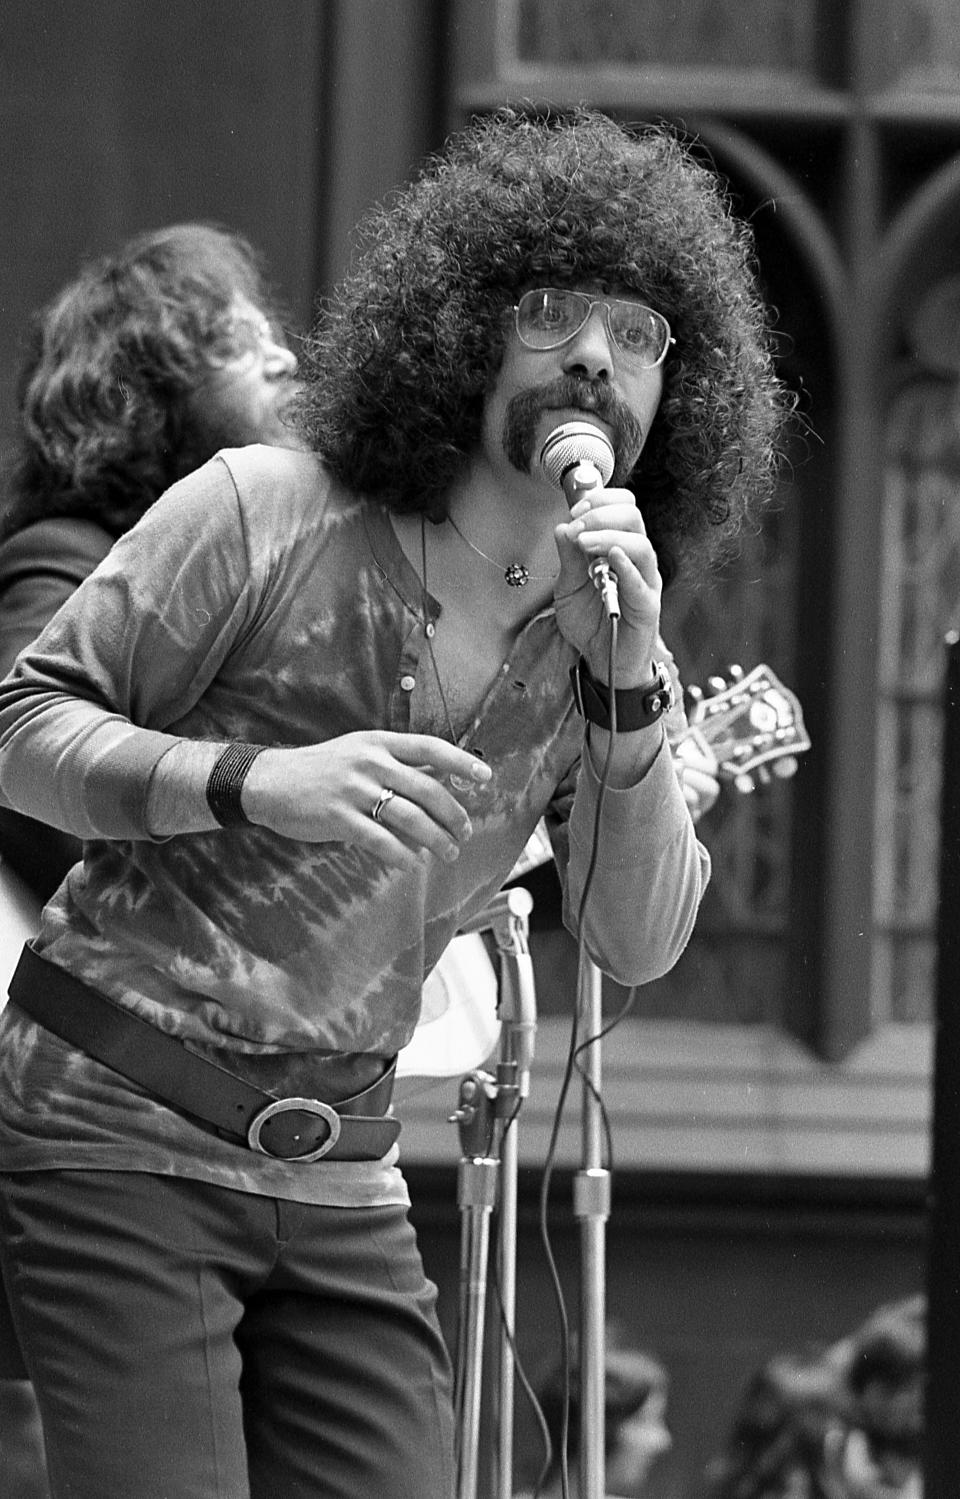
(637, 707)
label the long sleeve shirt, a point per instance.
(259, 601)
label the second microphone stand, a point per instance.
(487, 1116)
(591, 1203)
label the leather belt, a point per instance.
(287, 1129)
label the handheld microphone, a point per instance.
(578, 457)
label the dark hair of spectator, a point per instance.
(886, 1379)
(630, 1378)
(788, 1417)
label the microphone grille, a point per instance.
(573, 443)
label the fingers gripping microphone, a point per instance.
(578, 457)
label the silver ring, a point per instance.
(386, 795)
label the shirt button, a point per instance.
(407, 684)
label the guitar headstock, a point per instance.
(751, 723)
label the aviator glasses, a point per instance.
(548, 317)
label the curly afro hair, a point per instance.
(403, 354)
(104, 426)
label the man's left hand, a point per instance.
(606, 523)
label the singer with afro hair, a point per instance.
(306, 716)
(418, 330)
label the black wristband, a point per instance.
(637, 707)
(226, 782)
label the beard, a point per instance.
(591, 397)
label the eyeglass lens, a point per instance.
(546, 318)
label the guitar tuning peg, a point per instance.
(786, 767)
(745, 784)
(694, 704)
(716, 684)
(735, 673)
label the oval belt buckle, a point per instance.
(285, 1106)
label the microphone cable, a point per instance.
(574, 1051)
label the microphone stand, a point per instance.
(487, 1119)
(591, 1204)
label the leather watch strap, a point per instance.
(637, 707)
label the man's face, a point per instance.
(588, 378)
(243, 397)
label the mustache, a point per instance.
(594, 398)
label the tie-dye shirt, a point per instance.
(258, 600)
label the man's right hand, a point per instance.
(327, 792)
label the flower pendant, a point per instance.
(516, 575)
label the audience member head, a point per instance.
(886, 1383)
(635, 1429)
(786, 1433)
(151, 359)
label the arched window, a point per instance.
(919, 602)
(795, 1033)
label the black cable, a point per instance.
(605, 1030)
(509, 1333)
(573, 1052)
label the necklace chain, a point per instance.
(515, 574)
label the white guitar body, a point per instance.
(459, 1026)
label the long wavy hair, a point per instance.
(104, 426)
(403, 354)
